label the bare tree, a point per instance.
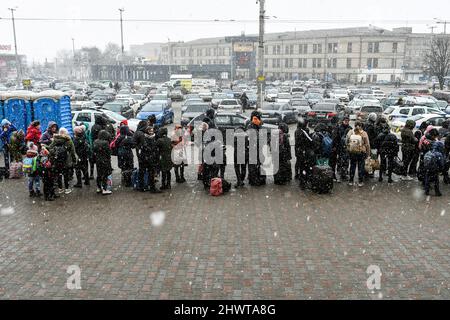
(111, 53)
(438, 59)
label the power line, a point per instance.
(319, 21)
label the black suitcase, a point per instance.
(322, 179)
(3, 173)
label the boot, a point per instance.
(32, 194)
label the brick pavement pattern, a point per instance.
(256, 243)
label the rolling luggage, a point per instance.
(322, 179)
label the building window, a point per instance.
(305, 48)
(286, 50)
(394, 47)
(314, 48)
(349, 47)
(274, 63)
(266, 49)
(302, 63)
(266, 63)
(314, 63)
(278, 49)
(317, 63)
(376, 48)
(349, 63)
(305, 63)
(278, 63)
(319, 48)
(370, 47)
(286, 63)
(291, 63)
(334, 63)
(300, 49)
(332, 47)
(372, 63)
(291, 49)
(274, 50)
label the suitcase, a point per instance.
(3, 173)
(398, 166)
(322, 179)
(135, 179)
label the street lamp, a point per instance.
(18, 66)
(121, 10)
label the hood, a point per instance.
(142, 126)
(103, 135)
(410, 124)
(429, 128)
(5, 123)
(320, 127)
(51, 124)
(124, 130)
(60, 138)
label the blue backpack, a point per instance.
(327, 145)
(433, 160)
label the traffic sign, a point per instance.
(26, 82)
(261, 78)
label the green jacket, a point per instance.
(17, 147)
(63, 139)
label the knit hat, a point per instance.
(5, 123)
(78, 130)
(63, 131)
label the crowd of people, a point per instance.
(55, 158)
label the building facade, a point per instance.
(366, 54)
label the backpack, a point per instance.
(355, 144)
(389, 144)
(215, 188)
(29, 165)
(433, 160)
(61, 156)
(327, 146)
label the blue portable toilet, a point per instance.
(16, 108)
(53, 105)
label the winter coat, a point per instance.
(304, 146)
(33, 135)
(59, 139)
(241, 155)
(149, 153)
(17, 147)
(371, 131)
(5, 136)
(125, 144)
(102, 124)
(164, 145)
(102, 154)
(139, 136)
(339, 136)
(409, 141)
(387, 144)
(82, 148)
(47, 137)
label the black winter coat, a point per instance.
(102, 154)
(125, 144)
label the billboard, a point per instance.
(243, 47)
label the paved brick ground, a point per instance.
(258, 243)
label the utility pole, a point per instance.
(444, 22)
(432, 29)
(261, 79)
(18, 65)
(121, 10)
(169, 60)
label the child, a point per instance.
(47, 176)
(30, 168)
(164, 145)
(82, 151)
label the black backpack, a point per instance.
(60, 156)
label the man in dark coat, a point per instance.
(340, 147)
(255, 176)
(284, 174)
(102, 154)
(409, 149)
(148, 158)
(164, 145)
(82, 151)
(240, 155)
(387, 146)
(125, 159)
(304, 152)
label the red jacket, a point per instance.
(33, 135)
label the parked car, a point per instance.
(340, 94)
(80, 105)
(88, 116)
(191, 101)
(323, 113)
(363, 113)
(193, 111)
(435, 120)
(394, 113)
(163, 97)
(378, 94)
(133, 104)
(301, 106)
(160, 109)
(217, 98)
(313, 98)
(284, 97)
(297, 90)
(101, 99)
(176, 95)
(271, 95)
(230, 105)
(140, 98)
(275, 113)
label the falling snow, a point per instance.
(157, 218)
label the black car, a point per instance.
(226, 121)
(101, 99)
(275, 113)
(327, 113)
(192, 111)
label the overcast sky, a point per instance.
(41, 39)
